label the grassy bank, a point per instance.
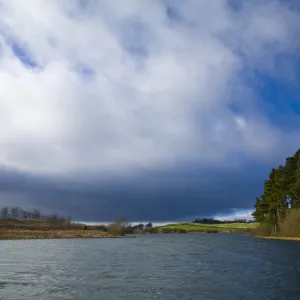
(283, 238)
(209, 228)
(6, 224)
(51, 234)
(289, 229)
(18, 230)
(32, 229)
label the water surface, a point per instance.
(183, 266)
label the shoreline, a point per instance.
(283, 238)
(56, 234)
(65, 238)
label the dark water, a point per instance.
(196, 266)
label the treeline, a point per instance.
(278, 208)
(17, 213)
(214, 221)
(121, 227)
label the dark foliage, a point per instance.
(278, 207)
(214, 221)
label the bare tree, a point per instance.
(122, 222)
(15, 213)
(21, 214)
(4, 213)
(149, 225)
(28, 215)
(54, 218)
(36, 214)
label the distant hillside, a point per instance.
(198, 227)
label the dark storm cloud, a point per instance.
(161, 196)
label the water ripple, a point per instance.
(165, 267)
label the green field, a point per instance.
(196, 227)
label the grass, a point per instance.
(277, 237)
(49, 234)
(33, 224)
(197, 227)
(19, 229)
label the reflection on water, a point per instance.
(196, 266)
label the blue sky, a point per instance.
(159, 110)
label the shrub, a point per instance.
(291, 223)
(115, 229)
(101, 228)
(151, 230)
(263, 229)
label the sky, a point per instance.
(148, 109)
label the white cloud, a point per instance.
(236, 214)
(165, 102)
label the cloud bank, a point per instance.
(103, 91)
